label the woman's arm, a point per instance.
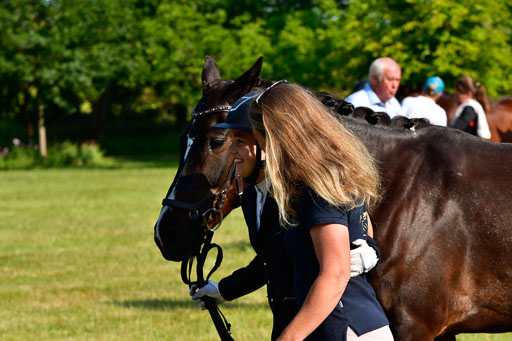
(465, 118)
(332, 248)
(370, 227)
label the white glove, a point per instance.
(210, 289)
(363, 258)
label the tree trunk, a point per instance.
(42, 132)
(99, 112)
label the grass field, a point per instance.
(78, 261)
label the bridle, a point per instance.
(200, 213)
(195, 212)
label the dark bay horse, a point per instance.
(444, 223)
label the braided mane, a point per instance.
(344, 108)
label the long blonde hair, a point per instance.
(307, 145)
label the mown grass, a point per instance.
(78, 261)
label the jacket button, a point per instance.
(265, 264)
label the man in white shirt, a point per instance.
(379, 94)
(425, 106)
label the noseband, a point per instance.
(201, 212)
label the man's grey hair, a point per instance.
(377, 68)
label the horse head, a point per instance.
(202, 191)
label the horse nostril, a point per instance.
(158, 241)
(158, 238)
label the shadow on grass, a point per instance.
(169, 304)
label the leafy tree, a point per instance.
(117, 59)
(443, 37)
(61, 54)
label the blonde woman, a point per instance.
(322, 178)
(271, 266)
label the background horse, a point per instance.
(500, 120)
(444, 226)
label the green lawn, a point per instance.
(78, 261)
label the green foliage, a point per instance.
(19, 158)
(144, 57)
(62, 155)
(451, 39)
(74, 155)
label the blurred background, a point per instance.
(120, 77)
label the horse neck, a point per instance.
(393, 152)
(381, 141)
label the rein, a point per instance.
(200, 213)
(222, 326)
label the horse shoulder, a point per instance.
(499, 119)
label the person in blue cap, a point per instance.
(271, 265)
(424, 105)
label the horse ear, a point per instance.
(210, 71)
(247, 81)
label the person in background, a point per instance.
(379, 94)
(322, 178)
(473, 104)
(271, 265)
(424, 105)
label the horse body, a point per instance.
(443, 226)
(443, 223)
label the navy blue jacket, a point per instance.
(361, 310)
(271, 265)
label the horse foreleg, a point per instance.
(406, 329)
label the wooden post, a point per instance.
(42, 132)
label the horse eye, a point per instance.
(216, 143)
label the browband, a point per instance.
(218, 108)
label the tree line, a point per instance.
(142, 59)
